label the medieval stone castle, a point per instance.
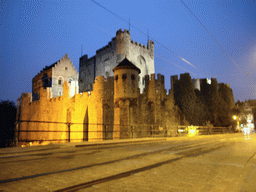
(116, 95)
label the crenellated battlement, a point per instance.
(26, 98)
(91, 58)
(160, 78)
(125, 31)
(154, 85)
(84, 58)
(105, 48)
(103, 87)
(55, 99)
(34, 102)
(139, 44)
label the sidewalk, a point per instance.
(187, 164)
(12, 150)
(34, 148)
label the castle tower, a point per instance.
(96, 127)
(125, 97)
(123, 40)
(151, 47)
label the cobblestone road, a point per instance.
(206, 163)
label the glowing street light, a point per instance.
(237, 122)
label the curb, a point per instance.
(115, 143)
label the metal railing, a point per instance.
(72, 132)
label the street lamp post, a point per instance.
(237, 122)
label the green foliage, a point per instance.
(7, 122)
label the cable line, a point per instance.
(146, 35)
(215, 40)
(210, 34)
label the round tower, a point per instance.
(125, 97)
(125, 81)
(123, 40)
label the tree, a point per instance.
(7, 122)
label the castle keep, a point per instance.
(108, 57)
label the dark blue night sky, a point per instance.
(36, 33)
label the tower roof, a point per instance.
(126, 64)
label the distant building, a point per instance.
(196, 83)
(248, 115)
(108, 57)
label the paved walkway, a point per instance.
(205, 163)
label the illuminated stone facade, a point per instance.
(115, 109)
(53, 76)
(110, 56)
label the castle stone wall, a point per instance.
(95, 116)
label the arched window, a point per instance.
(60, 80)
(133, 77)
(69, 80)
(141, 60)
(116, 77)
